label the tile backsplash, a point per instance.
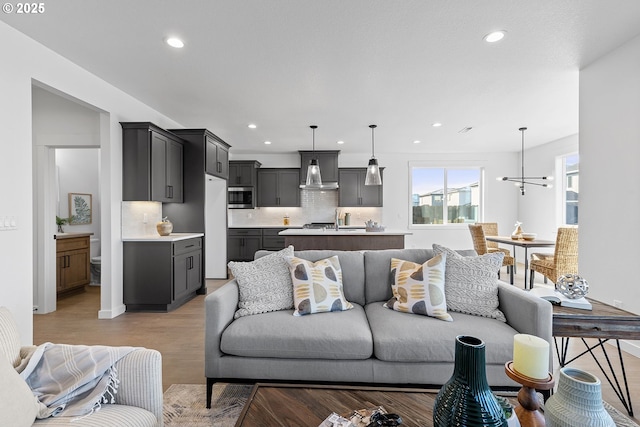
(140, 218)
(316, 206)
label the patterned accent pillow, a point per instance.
(471, 283)
(419, 288)
(317, 286)
(264, 284)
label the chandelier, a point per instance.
(520, 181)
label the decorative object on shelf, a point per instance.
(373, 226)
(313, 170)
(373, 171)
(347, 218)
(527, 411)
(60, 222)
(517, 233)
(79, 208)
(466, 398)
(164, 227)
(572, 286)
(520, 181)
(577, 402)
(285, 219)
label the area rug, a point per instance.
(184, 406)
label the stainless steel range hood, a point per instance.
(322, 187)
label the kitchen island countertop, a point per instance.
(342, 232)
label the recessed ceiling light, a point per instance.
(340, 142)
(175, 42)
(494, 36)
(267, 143)
(416, 142)
(251, 126)
(436, 125)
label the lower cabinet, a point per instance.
(243, 243)
(161, 276)
(73, 269)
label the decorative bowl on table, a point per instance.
(529, 236)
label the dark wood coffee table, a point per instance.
(308, 405)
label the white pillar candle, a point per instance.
(531, 356)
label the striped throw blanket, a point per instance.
(73, 380)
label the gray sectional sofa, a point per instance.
(367, 344)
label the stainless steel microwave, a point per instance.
(241, 197)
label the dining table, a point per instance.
(522, 243)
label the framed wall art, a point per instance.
(79, 208)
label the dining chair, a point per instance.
(564, 259)
(491, 229)
(481, 248)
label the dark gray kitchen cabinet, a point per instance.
(353, 192)
(243, 173)
(243, 243)
(214, 152)
(327, 160)
(152, 163)
(279, 187)
(271, 240)
(161, 275)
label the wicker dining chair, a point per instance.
(564, 259)
(491, 229)
(481, 248)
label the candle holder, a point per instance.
(528, 411)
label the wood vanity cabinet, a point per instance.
(73, 270)
(152, 163)
(353, 192)
(161, 276)
(279, 187)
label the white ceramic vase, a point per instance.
(577, 402)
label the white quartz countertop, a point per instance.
(173, 237)
(342, 232)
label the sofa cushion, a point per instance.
(419, 288)
(18, 405)
(280, 335)
(317, 286)
(9, 337)
(398, 337)
(471, 283)
(264, 284)
(108, 415)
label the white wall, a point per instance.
(28, 61)
(610, 184)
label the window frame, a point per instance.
(446, 166)
(561, 173)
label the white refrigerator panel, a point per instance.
(215, 228)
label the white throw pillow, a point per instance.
(471, 283)
(265, 284)
(18, 405)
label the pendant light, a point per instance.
(313, 171)
(373, 171)
(520, 181)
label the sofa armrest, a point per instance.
(527, 314)
(140, 375)
(219, 308)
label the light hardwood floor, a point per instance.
(179, 336)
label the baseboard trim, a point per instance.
(110, 314)
(627, 346)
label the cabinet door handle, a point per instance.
(219, 167)
(189, 246)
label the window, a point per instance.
(571, 188)
(445, 195)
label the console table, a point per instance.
(605, 322)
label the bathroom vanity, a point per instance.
(73, 270)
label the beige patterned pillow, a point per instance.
(317, 286)
(471, 283)
(419, 288)
(264, 284)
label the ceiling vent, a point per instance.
(465, 130)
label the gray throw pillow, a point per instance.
(265, 284)
(471, 283)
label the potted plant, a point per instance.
(60, 222)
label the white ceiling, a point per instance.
(345, 64)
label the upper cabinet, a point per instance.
(213, 149)
(279, 187)
(152, 163)
(243, 173)
(327, 160)
(353, 192)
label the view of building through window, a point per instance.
(445, 195)
(571, 188)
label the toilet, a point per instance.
(95, 262)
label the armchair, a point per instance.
(138, 402)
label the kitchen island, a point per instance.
(344, 239)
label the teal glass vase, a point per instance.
(466, 399)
